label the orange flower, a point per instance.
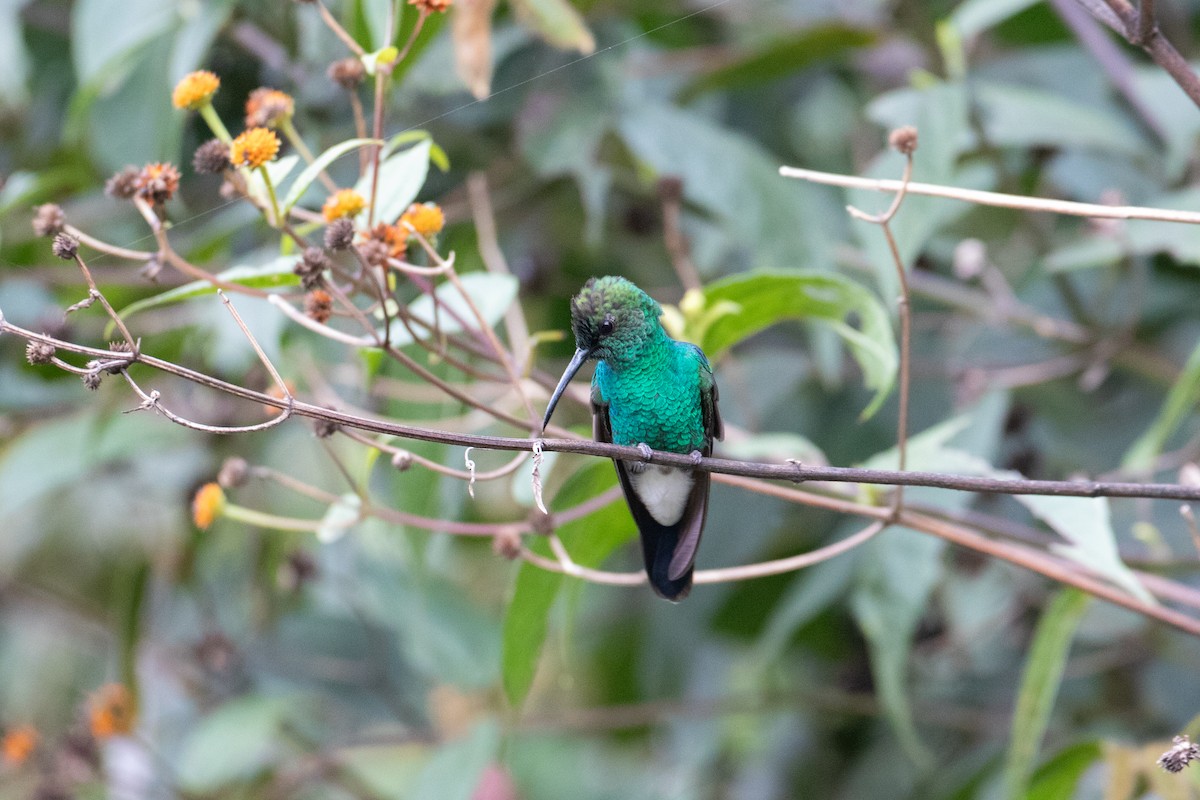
(111, 711)
(392, 237)
(430, 6)
(18, 744)
(343, 203)
(425, 218)
(157, 182)
(268, 108)
(253, 148)
(207, 505)
(195, 90)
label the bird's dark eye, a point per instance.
(606, 327)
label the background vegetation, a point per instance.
(365, 658)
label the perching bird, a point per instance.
(651, 392)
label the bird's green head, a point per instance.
(611, 318)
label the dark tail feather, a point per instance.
(658, 548)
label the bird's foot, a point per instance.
(696, 456)
(638, 467)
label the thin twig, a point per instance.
(998, 199)
(94, 292)
(904, 310)
(262, 356)
(333, 25)
(792, 472)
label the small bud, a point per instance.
(402, 460)
(123, 185)
(296, 570)
(339, 235)
(151, 269)
(318, 305)
(324, 428)
(39, 352)
(903, 140)
(507, 544)
(48, 220)
(233, 473)
(111, 711)
(18, 745)
(670, 188)
(65, 246)
(211, 158)
(347, 73)
(207, 505)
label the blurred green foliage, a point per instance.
(384, 661)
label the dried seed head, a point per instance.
(48, 220)
(91, 378)
(374, 252)
(123, 185)
(65, 246)
(1182, 753)
(903, 140)
(211, 158)
(347, 73)
(318, 305)
(39, 352)
(157, 183)
(392, 236)
(311, 268)
(339, 235)
(233, 473)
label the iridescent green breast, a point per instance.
(655, 399)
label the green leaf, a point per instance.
(589, 541)
(310, 173)
(277, 272)
(782, 58)
(492, 294)
(1086, 524)
(972, 17)
(1020, 116)
(1180, 403)
(557, 22)
(766, 298)
(277, 171)
(1040, 680)
(732, 177)
(236, 742)
(1059, 776)
(401, 177)
(455, 770)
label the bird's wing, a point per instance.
(692, 522)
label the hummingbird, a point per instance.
(654, 393)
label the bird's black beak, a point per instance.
(581, 355)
